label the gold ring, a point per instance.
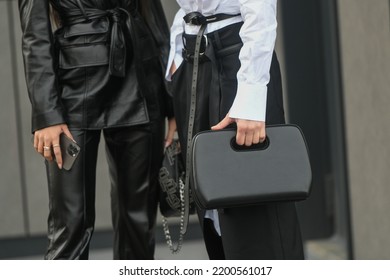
(56, 145)
(46, 148)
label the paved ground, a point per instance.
(192, 250)
(195, 250)
(193, 247)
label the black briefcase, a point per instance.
(226, 175)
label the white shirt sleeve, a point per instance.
(175, 53)
(258, 35)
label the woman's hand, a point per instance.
(248, 132)
(171, 131)
(47, 142)
(173, 68)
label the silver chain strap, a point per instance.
(175, 248)
(184, 186)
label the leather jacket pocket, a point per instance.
(83, 44)
(83, 56)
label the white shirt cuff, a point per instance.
(177, 59)
(213, 215)
(250, 102)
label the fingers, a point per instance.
(169, 138)
(47, 142)
(249, 139)
(57, 151)
(262, 135)
(256, 137)
(48, 152)
(222, 124)
(250, 132)
(171, 132)
(240, 136)
(35, 142)
(65, 130)
(173, 68)
(58, 156)
(42, 145)
(39, 143)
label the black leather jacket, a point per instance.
(102, 68)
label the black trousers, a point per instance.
(258, 232)
(134, 156)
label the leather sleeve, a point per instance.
(157, 22)
(158, 25)
(39, 63)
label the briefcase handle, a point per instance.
(254, 147)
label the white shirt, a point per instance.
(258, 35)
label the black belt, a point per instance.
(188, 54)
(195, 18)
(118, 51)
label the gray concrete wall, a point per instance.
(170, 8)
(365, 54)
(11, 210)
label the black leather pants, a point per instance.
(134, 155)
